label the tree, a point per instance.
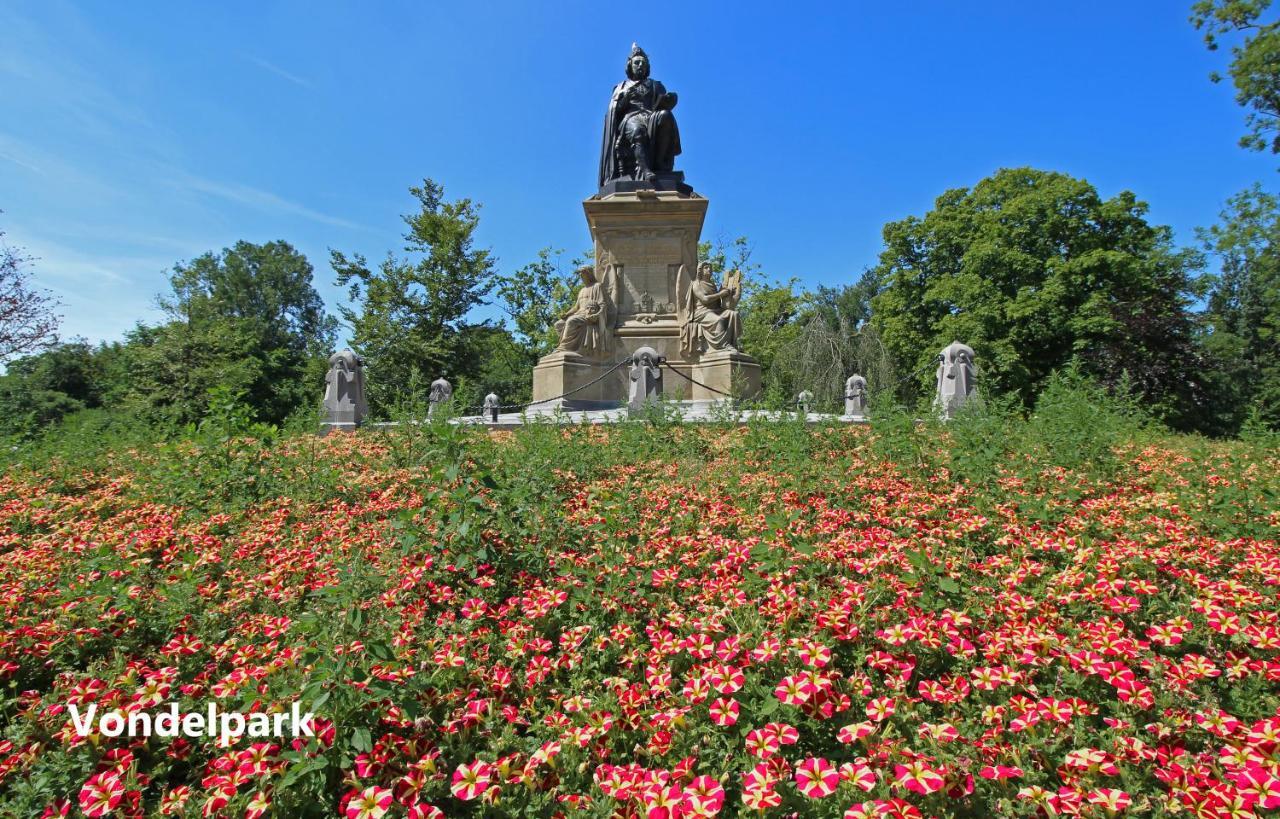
(1255, 62)
(832, 341)
(408, 321)
(535, 296)
(27, 320)
(173, 368)
(261, 297)
(1035, 270)
(41, 389)
(1243, 316)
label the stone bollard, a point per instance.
(855, 397)
(491, 407)
(646, 379)
(957, 379)
(344, 404)
(441, 392)
(804, 401)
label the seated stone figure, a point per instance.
(640, 135)
(588, 326)
(708, 315)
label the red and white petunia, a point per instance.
(1110, 799)
(662, 801)
(371, 803)
(472, 779)
(855, 731)
(880, 708)
(1000, 772)
(816, 778)
(917, 777)
(724, 711)
(859, 774)
(795, 689)
(704, 796)
(101, 794)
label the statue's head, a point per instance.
(587, 273)
(637, 64)
(704, 271)
(344, 360)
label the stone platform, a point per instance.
(641, 240)
(693, 412)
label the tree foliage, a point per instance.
(27, 319)
(409, 312)
(1243, 315)
(1035, 270)
(1255, 62)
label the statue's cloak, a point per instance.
(613, 121)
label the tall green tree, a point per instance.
(1035, 270)
(535, 296)
(408, 318)
(1243, 314)
(258, 294)
(1255, 61)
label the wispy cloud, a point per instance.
(278, 71)
(256, 198)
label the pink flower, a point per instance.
(855, 731)
(704, 796)
(880, 709)
(471, 780)
(662, 801)
(372, 803)
(724, 711)
(916, 777)
(816, 778)
(1110, 799)
(1000, 772)
(859, 774)
(101, 794)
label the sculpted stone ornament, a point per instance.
(646, 378)
(641, 140)
(588, 326)
(957, 379)
(344, 403)
(708, 315)
(855, 396)
(491, 406)
(804, 402)
(441, 392)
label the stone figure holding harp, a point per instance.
(708, 315)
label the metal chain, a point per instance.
(591, 383)
(667, 364)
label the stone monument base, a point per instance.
(724, 375)
(559, 373)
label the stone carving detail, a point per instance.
(646, 378)
(491, 406)
(641, 140)
(855, 396)
(344, 403)
(708, 315)
(588, 326)
(957, 379)
(441, 392)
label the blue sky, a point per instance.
(139, 134)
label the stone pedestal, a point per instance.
(645, 235)
(560, 373)
(725, 371)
